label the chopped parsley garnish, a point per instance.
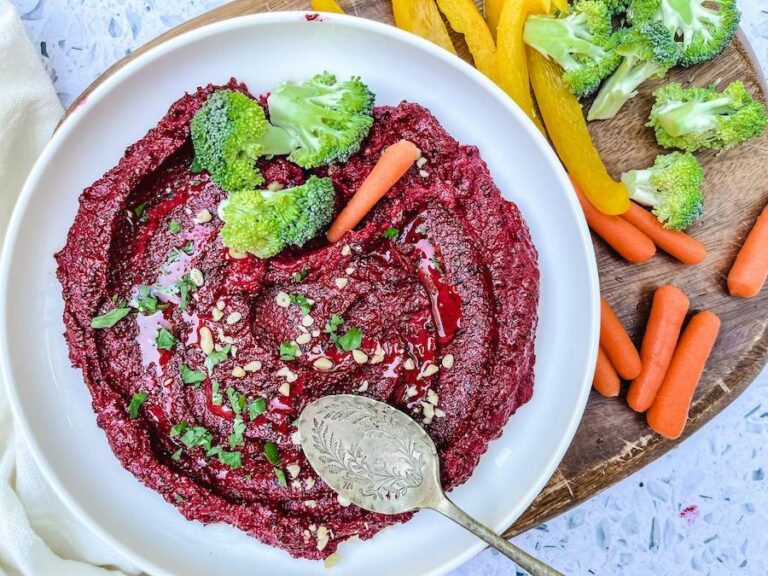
(179, 499)
(189, 376)
(177, 429)
(391, 233)
(302, 302)
(436, 264)
(257, 408)
(139, 210)
(299, 276)
(110, 318)
(164, 339)
(281, 478)
(136, 402)
(173, 256)
(288, 351)
(176, 456)
(174, 227)
(188, 248)
(216, 357)
(197, 436)
(422, 229)
(236, 400)
(147, 304)
(186, 287)
(351, 340)
(333, 324)
(217, 399)
(236, 438)
(248, 476)
(232, 459)
(272, 453)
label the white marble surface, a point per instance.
(699, 510)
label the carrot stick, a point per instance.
(675, 243)
(669, 411)
(622, 236)
(392, 165)
(605, 380)
(670, 305)
(617, 345)
(750, 268)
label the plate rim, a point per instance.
(72, 117)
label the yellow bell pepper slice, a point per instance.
(561, 5)
(492, 13)
(421, 17)
(511, 64)
(568, 131)
(327, 6)
(465, 18)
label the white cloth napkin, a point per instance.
(38, 534)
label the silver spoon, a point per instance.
(380, 459)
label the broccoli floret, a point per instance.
(328, 119)
(648, 51)
(582, 42)
(615, 7)
(672, 186)
(263, 222)
(228, 133)
(698, 118)
(702, 31)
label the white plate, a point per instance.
(51, 402)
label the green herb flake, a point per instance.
(248, 477)
(351, 340)
(186, 287)
(391, 233)
(136, 402)
(179, 428)
(165, 340)
(110, 318)
(302, 302)
(173, 256)
(176, 456)
(299, 276)
(288, 351)
(236, 400)
(197, 436)
(217, 399)
(333, 324)
(272, 453)
(189, 376)
(232, 459)
(236, 438)
(174, 227)
(436, 265)
(179, 499)
(216, 357)
(188, 248)
(257, 408)
(148, 304)
(281, 479)
(139, 210)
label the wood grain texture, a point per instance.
(612, 441)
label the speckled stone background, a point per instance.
(699, 510)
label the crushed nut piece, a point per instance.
(423, 173)
(309, 483)
(323, 364)
(349, 270)
(286, 373)
(346, 250)
(448, 361)
(293, 470)
(420, 162)
(217, 314)
(206, 340)
(203, 216)
(311, 504)
(234, 318)
(359, 356)
(322, 537)
(275, 186)
(409, 364)
(432, 397)
(235, 255)
(285, 389)
(303, 338)
(253, 366)
(342, 501)
(283, 300)
(429, 369)
(220, 304)
(341, 283)
(307, 321)
(196, 276)
(238, 372)
(332, 560)
(363, 387)
(439, 413)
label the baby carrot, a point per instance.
(668, 311)
(750, 268)
(605, 380)
(616, 343)
(622, 236)
(669, 411)
(392, 165)
(675, 243)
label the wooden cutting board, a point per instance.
(612, 441)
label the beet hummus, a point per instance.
(440, 279)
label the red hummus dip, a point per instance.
(440, 279)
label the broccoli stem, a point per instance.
(558, 39)
(277, 142)
(687, 17)
(620, 87)
(638, 183)
(679, 119)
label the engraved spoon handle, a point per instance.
(533, 565)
